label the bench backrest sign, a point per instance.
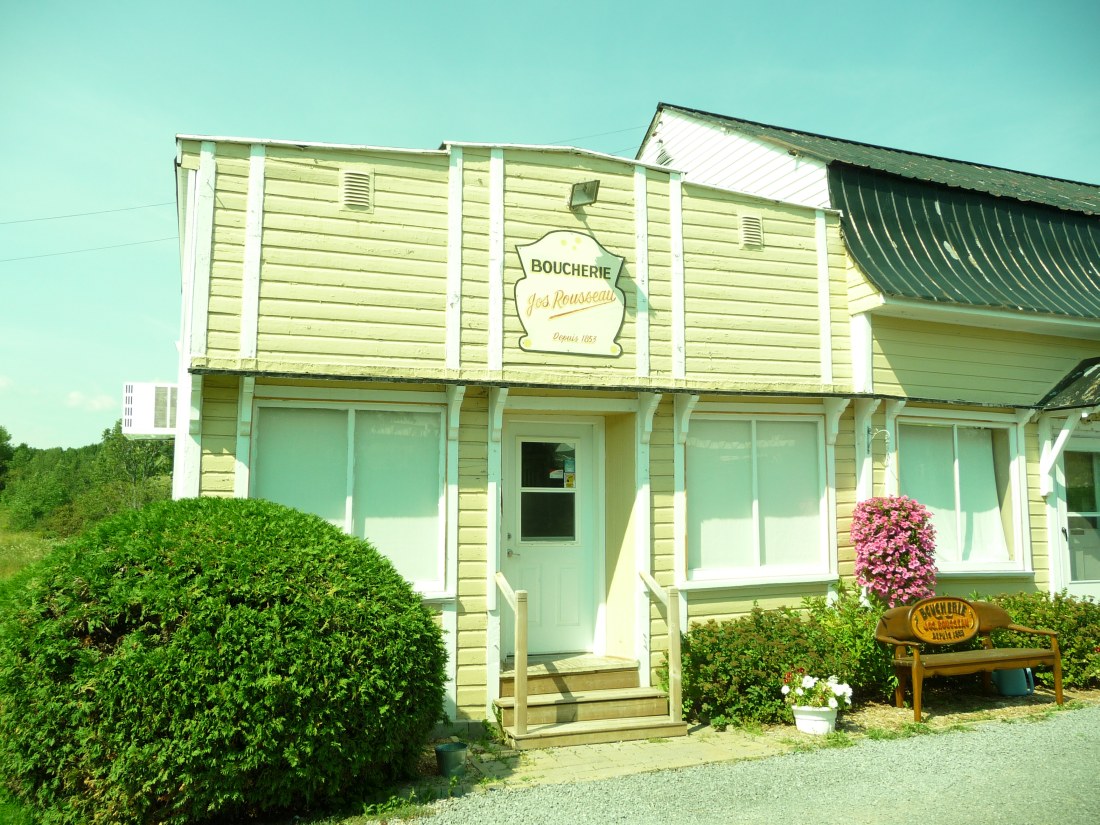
(943, 620)
(568, 300)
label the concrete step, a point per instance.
(571, 674)
(587, 705)
(558, 734)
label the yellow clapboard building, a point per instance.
(622, 395)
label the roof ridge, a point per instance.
(662, 105)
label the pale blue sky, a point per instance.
(93, 94)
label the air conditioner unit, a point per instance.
(149, 410)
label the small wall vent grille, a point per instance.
(357, 189)
(752, 232)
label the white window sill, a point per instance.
(819, 577)
(1014, 572)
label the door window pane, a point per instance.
(1081, 493)
(549, 466)
(302, 460)
(547, 517)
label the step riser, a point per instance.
(624, 734)
(588, 711)
(541, 684)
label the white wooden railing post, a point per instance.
(521, 662)
(675, 670)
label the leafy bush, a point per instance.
(733, 670)
(845, 632)
(210, 658)
(1075, 620)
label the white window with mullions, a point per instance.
(376, 471)
(757, 504)
(965, 473)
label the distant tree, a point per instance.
(133, 463)
(61, 492)
(7, 452)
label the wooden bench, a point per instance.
(945, 620)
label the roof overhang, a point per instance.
(1025, 322)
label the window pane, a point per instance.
(983, 534)
(397, 489)
(789, 487)
(547, 464)
(927, 474)
(1081, 493)
(302, 460)
(719, 483)
(547, 517)
(1084, 548)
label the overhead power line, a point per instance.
(88, 249)
(82, 214)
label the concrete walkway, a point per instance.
(496, 766)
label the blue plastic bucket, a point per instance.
(1019, 682)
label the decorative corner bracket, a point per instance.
(647, 408)
(684, 404)
(244, 415)
(498, 399)
(455, 393)
(834, 409)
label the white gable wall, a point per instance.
(715, 156)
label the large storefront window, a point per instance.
(963, 474)
(756, 498)
(376, 473)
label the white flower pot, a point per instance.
(818, 721)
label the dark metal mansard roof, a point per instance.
(940, 244)
(954, 233)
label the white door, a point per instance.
(1081, 528)
(549, 541)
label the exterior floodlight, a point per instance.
(583, 193)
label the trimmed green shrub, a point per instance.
(1075, 620)
(845, 633)
(733, 670)
(211, 658)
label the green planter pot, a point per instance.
(451, 758)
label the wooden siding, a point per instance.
(753, 312)
(219, 436)
(713, 155)
(473, 457)
(475, 259)
(918, 359)
(342, 285)
(536, 192)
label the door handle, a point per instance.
(513, 554)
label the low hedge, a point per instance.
(733, 670)
(1076, 621)
(211, 658)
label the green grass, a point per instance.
(17, 550)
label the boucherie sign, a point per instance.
(568, 300)
(943, 620)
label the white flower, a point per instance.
(798, 691)
(786, 689)
(833, 703)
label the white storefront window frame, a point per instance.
(438, 587)
(1021, 561)
(825, 570)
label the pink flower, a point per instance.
(895, 549)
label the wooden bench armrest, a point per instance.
(1019, 628)
(890, 640)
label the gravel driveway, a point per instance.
(1031, 772)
